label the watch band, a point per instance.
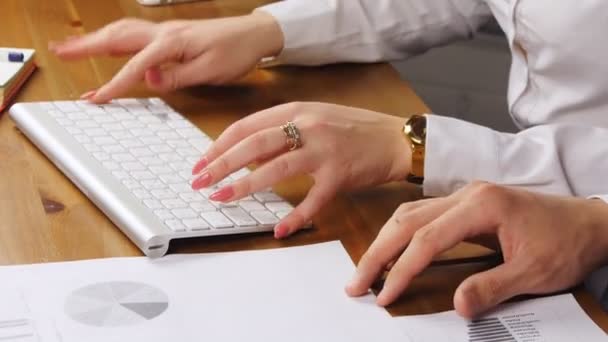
(415, 130)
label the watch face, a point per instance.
(417, 127)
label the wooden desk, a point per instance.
(34, 229)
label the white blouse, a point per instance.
(558, 86)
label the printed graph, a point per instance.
(114, 304)
(489, 330)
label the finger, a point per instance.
(198, 71)
(270, 141)
(283, 167)
(119, 38)
(243, 128)
(438, 236)
(156, 53)
(483, 291)
(392, 239)
(316, 198)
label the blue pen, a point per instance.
(11, 56)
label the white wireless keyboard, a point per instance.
(133, 158)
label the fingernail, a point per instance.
(280, 231)
(222, 194)
(200, 165)
(202, 181)
(88, 95)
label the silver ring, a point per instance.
(294, 140)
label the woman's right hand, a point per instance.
(177, 54)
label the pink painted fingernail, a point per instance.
(88, 95)
(222, 194)
(202, 181)
(200, 165)
(280, 231)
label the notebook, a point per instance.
(14, 74)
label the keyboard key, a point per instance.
(83, 139)
(163, 193)
(283, 214)
(184, 213)
(110, 165)
(131, 184)
(239, 217)
(180, 124)
(133, 166)
(73, 130)
(66, 106)
(174, 203)
(251, 205)
(196, 224)
(191, 196)
(161, 148)
(113, 149)
(163, 214)
(142, 152)
(202, 206)
(276, 207)
(123, 157)
(153, 204)
(121, 134)
(151, 161)
(104, 141)
(267, 197)
(175, 225)
(95, 132)
(120, 175)
(91, 148)
(101, 156)
(101, 119)
(142, 194)
(152, 184)
(181, 187)
(216, 219)
(151, 140)
(160, 169)
(131, 143)
(264, 217)
(143, 175)
(177, 143)
(171, 178)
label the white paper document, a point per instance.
(549, 319)
(290, 294)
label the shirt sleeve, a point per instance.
(327, 31)
(565, 159)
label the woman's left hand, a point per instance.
(342, 148)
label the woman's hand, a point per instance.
(342, 148)
(549, 243)
(177, 54)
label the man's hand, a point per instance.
(549, 244)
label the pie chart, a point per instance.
(113, 304)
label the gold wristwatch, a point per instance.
(415, 131)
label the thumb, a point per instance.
(482, 291)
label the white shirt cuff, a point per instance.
(457, 153)
(303, 25)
